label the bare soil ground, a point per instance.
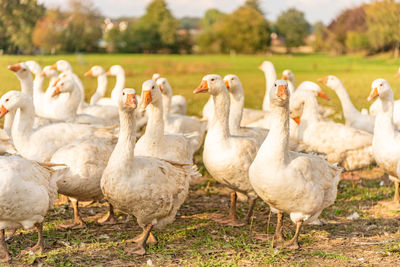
(196, 240)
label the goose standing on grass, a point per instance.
(300, 185)
(64, 67)
(148, 188)
(236, 96)
(100, 73)
(349, 147)
(352, 116)
(386, 142)
(85, 160)
(27, 191)
(173, 104)
(154, 142)
(227, 157)
(41, 143)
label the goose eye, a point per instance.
(123, 93)
(7, 100)
(381, 84)
(212, 79)
(232, 79)
(152, 87)
(62, 84)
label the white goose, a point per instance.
(236, 96)
(51, 74)
(352, 116)
(175, 104)
(154, 143)
(301, 185)
(270, 76)
(150, 189)
(27, 191)
(349, 147)
(386, 142)
(40, 144)
(119, 73)
(227, 157)
(100, 73)
(86, 160)
(288, 76)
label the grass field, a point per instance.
(194, 239)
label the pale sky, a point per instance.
(315, 10)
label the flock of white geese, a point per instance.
(287, 154)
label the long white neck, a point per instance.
(119, 86)
(275, 146)
(310, 111)
(220, 121)
(384, 118)
(8, 122)
(38, 84)
(101, 89)
(348, 108)
(270, 77)
(166, 102)
(236, 109)
(123, 154)
(68, 106)
(27, 85)
(155, 123)
(23, 123)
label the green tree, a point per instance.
(156, 29)
(319, 31)
(254, 4)
(83, 30)
(47, 33)
(17, 21)
(293, 26)
(383, 20)
(210, 18)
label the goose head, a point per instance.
(63, 85)
(95, 71)
(115, 70)
(21, 70)
(266, 66)
(288, 75)
(313, 88)
(279, 94)
(150, 93)
(233, 83)
(49, 72)
(156, 76)
(11, 101)
(62, 66)
(331, 81)
(212, 84)
(128, 101)
(34, 67)
(381, 88)
(164, 86)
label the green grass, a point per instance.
(194, 239)
(186, 71)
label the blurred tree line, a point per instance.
(28, 27)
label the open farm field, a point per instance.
(358, 229)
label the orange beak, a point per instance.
(260, 67)
(323, 95)
(160, 86)
(57, 91)
(108, 72)
(297, 120)
(3, 111)
(374, 93)
(146, 98)
(397, 74)
(56, 81)
(227, 84)
(203, 87)
(54, 66)
(323, 80)
(89, 73)
(282, 91)
(15, 67)
(284, 77)
(131, 100)
(42, 74)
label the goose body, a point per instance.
(300, 185)
(150, 189)
(347, 146)
(352, 116)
